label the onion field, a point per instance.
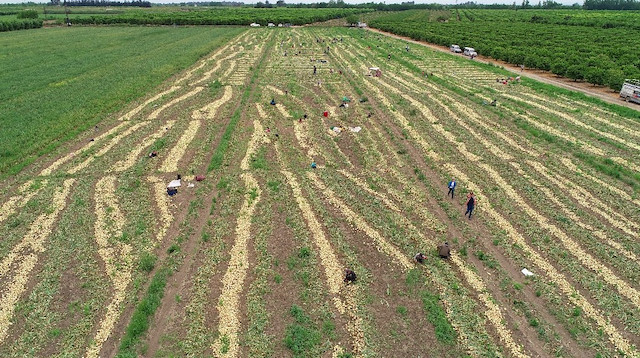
(97, 260)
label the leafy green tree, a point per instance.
(575, 72)
(614, 78)
(595, 75)
(559, 67)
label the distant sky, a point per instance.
(533, 2)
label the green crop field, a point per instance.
(248, 258)
(57, 82)
(596, 46)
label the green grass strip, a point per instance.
(221, 150)
(436, 315)
(143, 313)
(218, 155)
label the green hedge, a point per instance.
(21, 24)
(236, 16)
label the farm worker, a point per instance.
(172, 191)
(313, 165)
(349, 276)
(389, 56)
(471, 202)
(494, 102)
(444, 251)
(273, 102)
(314, 69)
(420, 257)
(452, 187)
(153, 154)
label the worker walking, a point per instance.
(452, 187)
(314, 69)
(471, 203)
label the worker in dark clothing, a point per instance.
(420, 257)
(452, 187)
(314, 69)
(444, 251)
(471, 204)
(349, 276)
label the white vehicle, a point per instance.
(271, 24)
(455, 49)
(631, 91)
(470, 51)
(253, 24)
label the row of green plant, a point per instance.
(602, 56)
(221, 16)
(596, 19)
(19, 24)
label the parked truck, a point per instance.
(630, 91)
(470, 51)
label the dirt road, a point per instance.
(601, 92)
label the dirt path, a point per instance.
(601, 92)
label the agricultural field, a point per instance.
(58, 82)
(97, 259)
(596, 46)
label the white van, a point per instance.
(470, 51)
(631, 91)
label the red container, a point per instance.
(326, 114)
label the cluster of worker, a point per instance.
(444, 251)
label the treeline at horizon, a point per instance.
(410, 5)
(135, 3)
